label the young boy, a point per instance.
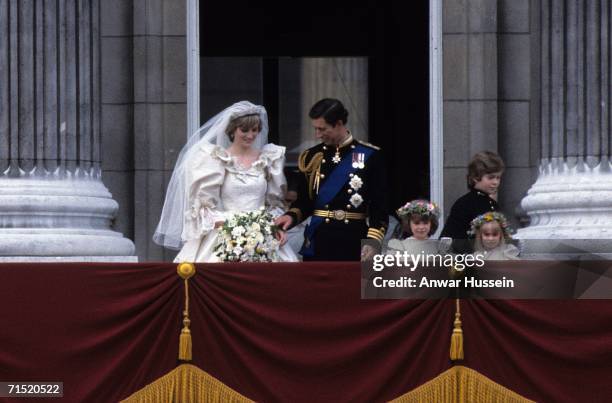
(484, 176)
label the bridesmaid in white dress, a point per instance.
(226, 167)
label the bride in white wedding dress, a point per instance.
(226, 167)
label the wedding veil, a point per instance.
(170, 227)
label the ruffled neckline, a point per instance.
(269, 154)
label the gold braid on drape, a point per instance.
(311, 170)
(186, 383)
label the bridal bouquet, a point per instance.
(248, 237)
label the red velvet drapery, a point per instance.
(284, 332)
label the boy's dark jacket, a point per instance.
(464, 210)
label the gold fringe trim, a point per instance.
(311, 170)
(185, 271)
(456, 346)
(461, 384)
(184, 384)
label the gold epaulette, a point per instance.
(365, 143)
(311, 170)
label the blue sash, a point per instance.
(335, 181)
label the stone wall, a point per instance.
(488, 94)
(144, 110)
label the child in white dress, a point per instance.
(491, 237)
(418, 221)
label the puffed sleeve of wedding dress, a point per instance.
(277, 184)
(205, 173)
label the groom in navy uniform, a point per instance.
(342, 188)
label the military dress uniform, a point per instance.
(343, 189)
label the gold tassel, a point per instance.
(185, 271)
(185, 342)
(456, 346)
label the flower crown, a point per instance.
(490, 217)
(419, 207)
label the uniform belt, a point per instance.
(339, 215)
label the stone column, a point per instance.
(52, 200)
(570, 204)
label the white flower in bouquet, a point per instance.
(231, 221)
(238, 230)
(251, 244)
(249, 237)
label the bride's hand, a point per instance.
(281, 236)
(219, 224)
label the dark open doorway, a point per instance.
(395, 41)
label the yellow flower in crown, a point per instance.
(490, 217)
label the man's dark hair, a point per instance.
(329, 109)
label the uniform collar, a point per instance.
(348, 140)
(345, 143)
